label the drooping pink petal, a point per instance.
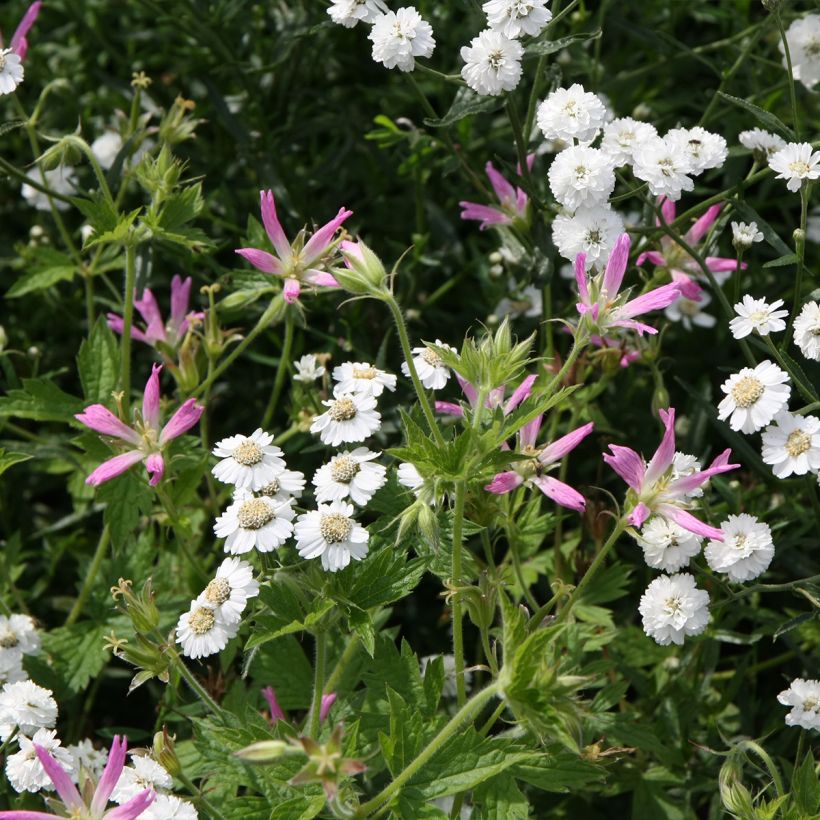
(560, 493)
(529, 432)
(616, 266)
(581, 278)
(653, 256)
(111, 774)
(656, 299)
(702, 225)
(320, 278)
(102, 420)
(150, 399)
(639, 515)
(469, 391)
(149, 310)
(639, 327)
(291, 290)
(665, 454)
(689, 288)
(448, 408)
(327, 701)
(182, 421)
(503, 189)
(668, 210)
(690, 482)
(353, 249)
(521, 393)
(504, 483)
(180, 299)
(530, 163)
(485, 214)
(721, 264)
(116, 324)
(262, 260)
(19, 41)
(155, 465)
(560, 447)
(59, 777)
(318, 244)
(688, 521)
(26, 815)
(273, 227)
(133, 808)
(113, 467)
(627, 464)
(276, 711)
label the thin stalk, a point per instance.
(800, 252)
(344, 659)
(738, 272)
(318, 684)
(458, 635)
(199, 797)
(789, 70)
(578, 345)
(520, 141)
(90, 576)
(8, 740)
(281, 371)
(805, 391)
(127, 322)
(491, 721)
(519, 576)
(89, 300)
(191, 680)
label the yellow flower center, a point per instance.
(431, 357)
(335, 527)
(202, 620)
(799, 168)
(364, 372)
(344, 469)
(271, 489)
(747, 391)
(254, 514)
(218, 591)
(343, 410)
(673, 605)
(797, 443)
(248, 453)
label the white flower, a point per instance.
(792, 444)
(11, 71)
(803, 37)
(170, 807)
(804, 698)
(11, 669)
(399, 37)
(591, 231)
(106, 148)
(807, 331)
(432, 371)
(761, 142)
(759, 315)
(667, 546)
(529, 302)
(349, 417)
(516, 17)
(362, 377)
(408, 476)
(85, 757)
(143, 773)
(795, 163)
(288, 484)
(623, 136)
(754, 396)
(332, 533)
(571, 114)
(673, 607)
(581, 176)
(492, 63)
(746, 550)
(18, 637)
(248, 462)
(349, 12)
(685, 465)
(26, 705)
(744, 236)
(61, 180)
(254, 522)
(663, 167)
(228, 593)
(690, 312)
(701, 148)
(308, 369)
(202, 631)
(350, 474)
(24, 770)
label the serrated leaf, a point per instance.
(10, 459)
(284, 666)
(39, 400)
(545, 47)
(764, 117)
(465, 104)
(558, 772)
(384, 577)
(98, 362)
(501, 799)
(806, 787)
(32, 281)
(782, 261)
(77, 652)
(118, 234)
(126, 498)
(286, 613)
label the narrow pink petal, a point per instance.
(318, 244)
(639, 515)
(291, 290)
(272, 225)
(566, 444)
(503, 189)
(116, 324)
(327, 701)
(616, 266)
(469, 391)
(180, 299)
(653, 256)
(560, 493)
(102, 420)
(149, 310)
(627, 464)
(484, 214)
(665, 453)
(59, 777)
(26, 815)
(353, 249)
(320, 278)
(276, 711)
(701, 227)
(640, 327)
(150, 399)
(581, 277)
(264, 261)
(521, 393)
(654, 300)
(688, 521)
(133, 808)
(114, 467)
(529, 432)
(111, 774)
(19, 43)
(688, 483)
(155, 465)
(721, 264)
(504, 483)
(689, 288)
(182, 421)
(448, 408)
(668, 210)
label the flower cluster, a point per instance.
(18, 637)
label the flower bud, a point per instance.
(364, 273)
(165, 753)
(735, 796)
(799, 236)
(265, 751)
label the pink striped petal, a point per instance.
(665, 453)
(529, 432)
(560, 493)
(320, 278)
(264, 261)
(448, 408)
(639, 515)
(701, 227)
(327, 701)
(291, 290)
(318, 244)
(653, 256)
(566, 444)
(150, 399)
(276, 711)
(114, 467)
(688, 521)
(520, 394)
(180, 299)
(627, 464)
(689, 288)
(656, 299)
(503, 189)
(581, 278)
(273, 227)
(19, 43)
(668, 210)
(484, 214)
(469, 391)
(111, 774)
(504, 483)
(639, 327)
(721, 264)
(353, 249)
(616, 266)
(155, 465)
(182, 421)
(26, 815)
(149, 310)
(691, 482)
(59, 777)
(133, 808)
(102, 420)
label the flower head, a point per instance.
(18, 637)
(623, 137)
(581, 176)
(744, 552)
(349, 417)
(591, 231)
(516, 17)
(27, 770)
(362, 377)
(664, 167)
(744, 236)
(666, 545)
(248, 462)
(26, 706)
(513, 202)
(11, 59)
(230, 590)
(401, 36)
(700, 148)
(350, 474)
(673, 607)
(807, 331)
(796, 163)
(804, 698)
(308, 369)
(761, 143)
(754, 396)
(570, 114)
(143, 773)
(757, 315)
(492, 63)
(202, 631)
(432, 371)
(332, 534)
(792, 444)
(348, 13)
(254, 522)
(803, 37)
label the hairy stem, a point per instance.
(281, 371)
(127, 322)
(458, 635)
(90, 576)
(318, 685)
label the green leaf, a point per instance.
(501, 799)
(765, 118)
(465, 104)
(286, 613)
(545, 47)
(126, 498)
(42, 279)
(806, 787)
(10, 459)
(99, 213)
(118, 233)
(284, 666)
(560, 771)
(39, 400)
(98, 362)
(749, 214)
(782, 261)
(77, 652)
(385, 577)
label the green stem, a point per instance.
(800, 252)
(199, 797)
(792, 93)
(519, 574)
(89, 300)
(578, 346)
(458, 635)
(90, 576)
(738, 272)
(805, 391)
(468, 711)
(8, 740)
(191, 680)
(344, 659)
(318, 685)
(281, 370)
(520, 141)
(127, 322)
(491, 721)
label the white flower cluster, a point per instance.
(803, 37)
(146, 773)
(18, 637)
(804, 698)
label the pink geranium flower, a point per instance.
(513, 202)
(147, 441)
(541, 460)
(304, 260)
(277, 713)
(19, 43)
(80, 806)
(495, 398)
(654, 490)
(682, 267)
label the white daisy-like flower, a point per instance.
(492, 63)
(432, 371)
(24, 770)
(288, 484)
(308, 369)
(106, 148)
(85, 757)
(170, 807)
(702, 148)
(623, 136)
(571, 114)
(529, 302)
(202, 631)
(332, 534)
(581, 176)
(248, 462)
(362, 377)
(757, 315)
(591, 231)
(795, 163)
(803, 37)
(399, 37)
(663, 167)
(61, 180)
(754, 396)
(18, 637)
(762, 143)
(792, 444)
(11, 70)
(11, 669)
(348, 13)
(27, 706)
(690, 312)
(745, 551)
(408, 476)
(350, 474)
(255, 522)
(807, 331)
(684, 465)
(516, 17)
(228, 593)
(804, 698)
(143, 773)
(349, 417)
(666, 546)
(744, 236)
(673, 607)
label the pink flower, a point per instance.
(513, 201)
(146, 439)
(601, 305)
(277, 713)
(77, 805)
(19, 43)
(628, 355)
(170, 332)
(300, 261)
(327, 701)
(533, 471)
(682, 267)
(654, 489)
(495, 399)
